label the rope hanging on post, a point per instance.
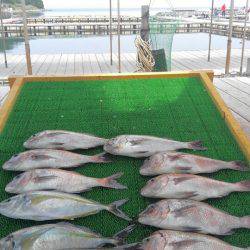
(145, 60)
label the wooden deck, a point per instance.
(234, 90)
(56, 64)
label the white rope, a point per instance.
(145, 60)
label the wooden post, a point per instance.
(26, 39)
(110, 32)
(145, 23)
(210, 32)
(3, 35)
(229, 41)
(244, 38)
(119, 36)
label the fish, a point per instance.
(59, 180)
(49, 205)
(177, 240)
(139, 146)
(188, 186)
(192, 216)
(65, 140)
(178, 162)
(51, 158)
(60, 236)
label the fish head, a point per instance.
(11, 205)
(114, 145)
(152, 164)
(154, 214)
(37, 140)
(19, 182)
(154, 186)
(157, 240)
(7, 243)
(14, 162)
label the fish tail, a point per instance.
(196, 145)
(123, 234)
(114, 209)
(239, 165)
(101, 158)
(111, 182)
(243, 186)
(245, 222)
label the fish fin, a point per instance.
(239, 165)
(76, 226)
(101, 158)
(59, 144)
(196, 145)
(178, 180)
(110, 182)
(135, 142)
(191, 229)
(243, 186)
(44, 178)
(189, 195)
(114, 209)
(123, 234)
(141, 152)
(183, 244)
(41, 157)
(182, 211)
(175, 157)
(52, 134)
(183, 169)
(245, 222)
(33, 236)
(229, 232)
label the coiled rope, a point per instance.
(145, 61)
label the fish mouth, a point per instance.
(10, 189)
(6, 166)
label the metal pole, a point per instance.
(3, 35)
(229, 41)
(210, 32)
(244, 38)
(119, 36)
(26, 39)
(110, 32)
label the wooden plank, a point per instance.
(86, 64)
(94, 64)
(78, 68)
(54, 64)
(227, 115)
(235, 105)
(236, 83)
(245, 125)
(4, 90)
(237, 94)
(10, 101)
(62, 64)
(70, 66)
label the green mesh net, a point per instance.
(161, 38)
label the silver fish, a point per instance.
(176, 240)
(194, 216)
(46, 205)
(58, 237)
(59, 180)
(51, 158)
(66, 140)
(143, 146)
(187, 186)
(177, 162)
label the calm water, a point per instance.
(98, 12)
(100, 44)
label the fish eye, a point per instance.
(14, 156)
(16, 177)
(152, 180)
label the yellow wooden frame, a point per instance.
(206, 77)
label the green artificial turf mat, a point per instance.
(177, 108)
